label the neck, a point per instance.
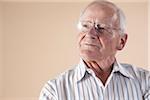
(102, 68)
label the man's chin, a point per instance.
(88, 55)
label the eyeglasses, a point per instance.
(101, 29)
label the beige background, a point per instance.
(38, 41)
(1, 50)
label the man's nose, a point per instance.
(92, 33)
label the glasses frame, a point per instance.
(100, 28)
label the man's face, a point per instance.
(98, 45)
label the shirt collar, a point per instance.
(82, 69)
(120, 68)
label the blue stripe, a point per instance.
(127, 83)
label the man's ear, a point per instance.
(122, 41)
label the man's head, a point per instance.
(101, 31)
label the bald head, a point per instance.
(110, 10)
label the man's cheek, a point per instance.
(80, 38)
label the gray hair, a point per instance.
(120, 14)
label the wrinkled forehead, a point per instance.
(104, 13)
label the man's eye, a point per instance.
(85, 25)
(100, 29)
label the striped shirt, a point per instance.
(124, 83)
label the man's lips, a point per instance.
(89, 44)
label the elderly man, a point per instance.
(99, 76)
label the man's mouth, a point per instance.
(89, 44)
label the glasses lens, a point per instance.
(84, 26)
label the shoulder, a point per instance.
(136, 72)
(52, 87)
(63, 79)
(140, 75)
(64, 76)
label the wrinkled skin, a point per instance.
(98, 51)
